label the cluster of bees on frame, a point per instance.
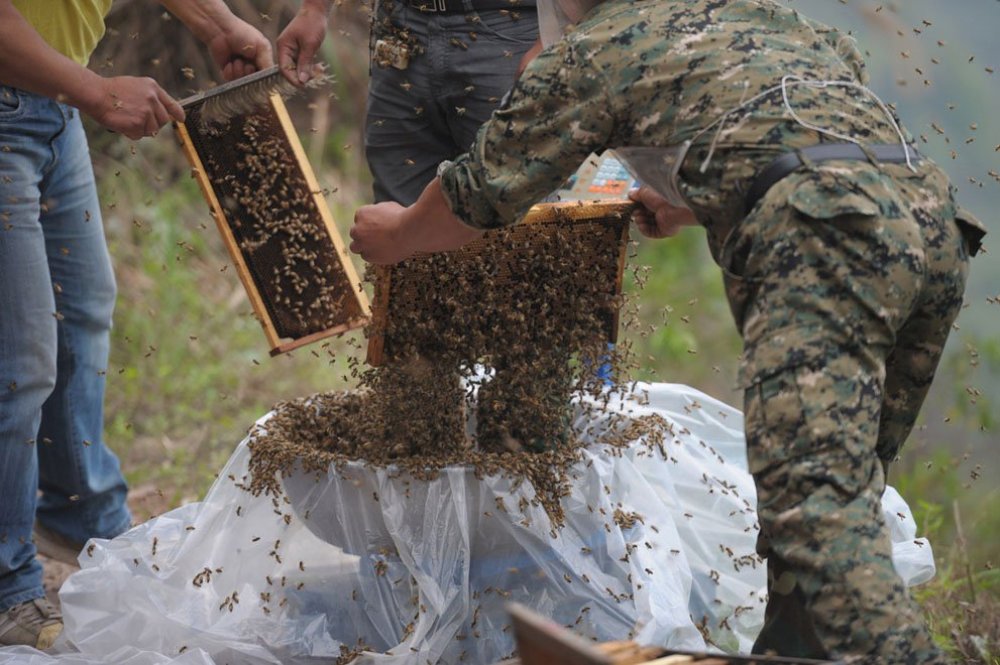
(274, 220)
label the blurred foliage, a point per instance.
(683, 331)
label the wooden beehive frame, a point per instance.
(277, 343)
(577, 211)
(540, 641)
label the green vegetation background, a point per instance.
(190, 370)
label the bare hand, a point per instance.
(389, 233)
(374, 235)
(299, 42)
(240, 49)
(657, 218)
(133, 106)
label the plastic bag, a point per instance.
(124, 656)
(912, 557)
(658, 545)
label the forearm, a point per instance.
(388, 233)
(204, 18)
(431, 226)
(29, 63)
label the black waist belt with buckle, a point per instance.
(790, 162)
(459, 6)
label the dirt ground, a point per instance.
(145, 503)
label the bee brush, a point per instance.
(247, 94)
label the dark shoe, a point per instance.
(56, 546)
(34, 623)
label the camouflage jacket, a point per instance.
(655, 73)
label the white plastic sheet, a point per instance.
(417, 572)
(912, 556)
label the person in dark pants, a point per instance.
(438, 70)
(426, 106)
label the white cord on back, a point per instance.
(842, 84)
(783, 87)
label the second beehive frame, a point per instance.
(618, 211)
(360, 303)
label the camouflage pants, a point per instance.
(844, 281)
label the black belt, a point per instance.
(458, 6)
(790, 162)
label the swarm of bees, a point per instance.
(484, 350)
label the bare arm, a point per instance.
(301, 39)
(389, 233)
(237, 47)
(133, 106)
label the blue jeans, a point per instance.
(57, 293)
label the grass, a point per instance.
(962, 603)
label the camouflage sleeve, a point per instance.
(558, 113)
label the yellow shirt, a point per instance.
(72, 27)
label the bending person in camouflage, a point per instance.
(844, 256)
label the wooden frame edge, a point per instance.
(375, 355)
(324, 210)
(620, 279)
(298, 342)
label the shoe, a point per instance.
(34, 623)
(56, 546)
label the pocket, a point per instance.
(849, 196)
(972, 230)
(10, 102)
(774, 419)
(829, 193)
(772, 348)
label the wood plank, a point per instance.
(543, 642)
(347, 326)
(639, 654)
(380, 316)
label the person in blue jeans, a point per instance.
(60, 485)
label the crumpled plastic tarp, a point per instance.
(419, 572)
